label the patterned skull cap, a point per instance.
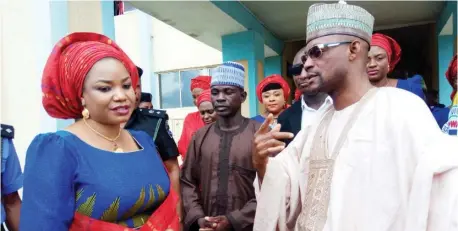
(229, 73)
(339, 18)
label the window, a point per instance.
(175, 87)
(170, 90)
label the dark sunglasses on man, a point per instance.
(317, 50)
(314, 52)
(295, 70)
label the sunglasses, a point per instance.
(295, 70)
(317, 50)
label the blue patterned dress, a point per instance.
(64, 175)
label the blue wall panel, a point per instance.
(107, 7)
(446, 48)
(273, 65)
(242, 15)
(247, 45)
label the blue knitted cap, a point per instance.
(229, 73)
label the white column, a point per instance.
(134, 36)
(28, 31)
(25, 43)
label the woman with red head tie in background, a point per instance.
(94, 175)
(193, 121)
(451, 127)
(205, 106)
(384, 54)
(273, 91)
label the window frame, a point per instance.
(205, 70)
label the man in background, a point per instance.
(308, 106)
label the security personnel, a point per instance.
(145, 101)
(154, 122)
(11, 181)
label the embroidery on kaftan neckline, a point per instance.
(321, 169)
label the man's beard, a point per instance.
(316, 91)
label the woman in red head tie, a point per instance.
(193, 121)
(273, 92)
(205, 106)
(384, 55)
(198, 85)
(451, 127)
(451, 76)
(94, 175)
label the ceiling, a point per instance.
(448, 27)
(205, 22)
(201, 20)
(287, 19)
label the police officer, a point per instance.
(11, 181)
(145, 101)
(154, 122)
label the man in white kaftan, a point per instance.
(382, 177)
(376, 161)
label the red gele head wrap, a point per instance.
(201, 81)
(451, 75)
(205, 96)
(67, 67)
(273, 79)
(391, 47)
(297, 95)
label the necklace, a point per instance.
(116, 148)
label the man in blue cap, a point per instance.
(217, 175)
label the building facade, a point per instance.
(181, 40)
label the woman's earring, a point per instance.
(85, 113)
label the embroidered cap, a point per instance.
(229, 73)
(339, 18)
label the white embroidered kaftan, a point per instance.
(396, 171)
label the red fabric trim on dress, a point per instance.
(164, 218)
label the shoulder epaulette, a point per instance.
(154, 113)
(7, 131)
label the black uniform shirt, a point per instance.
(154, 122)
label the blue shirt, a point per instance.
(64, 175)
(413, 85)
(440, 113)
(11, 171)
(259, 118)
